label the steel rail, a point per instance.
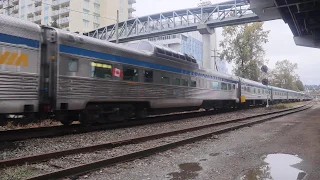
(54, 131)
(82, 169)
(122, 142)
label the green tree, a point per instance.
(243, 45)
(284, 76)
(299, 85)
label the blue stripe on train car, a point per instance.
(99, 55)
(19, 40)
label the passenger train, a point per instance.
(43, 69)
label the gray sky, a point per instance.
(280, 46)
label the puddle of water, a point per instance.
(276, 167)
(187, 171)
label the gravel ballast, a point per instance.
(44, 145)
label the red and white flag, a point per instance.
(117, 72)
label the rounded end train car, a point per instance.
(44, 69)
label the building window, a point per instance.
(96, 18)
(224, 86)
(73, 65)
(46, 20)
(215, 85)
(185, 82)
(176, 81)
(193, 84)
(86, 14)
(96, 8)
(130, 74)
(86, 4)
(46, 11)
(165, 80)
(100, 70)
(148, 76)
(96, 26)
(85, 23)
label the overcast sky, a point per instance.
(280, 46)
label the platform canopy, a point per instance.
(302, 16)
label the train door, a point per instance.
(48, 70)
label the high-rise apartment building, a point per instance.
(72, 15)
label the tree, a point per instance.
(54, 24)
(299, 85)
(243, 45)
(284, 76)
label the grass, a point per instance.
(19, 172)
(45, 123)
(286, 106)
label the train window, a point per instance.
(100, 70)
(229, 86)
(233, 86)
(148, 76)
(165, 80)
(73, 65)
(215, 85)
(176, 81)
(224, 86)
(185, 82)
(193, 84)
(130, 74)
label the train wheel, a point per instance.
(63, 118)
(141, 113)
(90, 115)
(116, 117)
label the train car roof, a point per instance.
(162, 51)
(250, 82)
(11, 28)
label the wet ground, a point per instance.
(286, 148)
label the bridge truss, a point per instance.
(180, 21)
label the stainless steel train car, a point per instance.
(44, 69)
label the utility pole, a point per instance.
(117, 28)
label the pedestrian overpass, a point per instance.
(180, 21)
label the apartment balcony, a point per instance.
(37, 19)
(130, 16)
(15, 9)
(131, 8)
(132, 1)
(38, 9)
(57, 3)
(56, 13)
(15, 15)
(37, 2)
(30, 14)
(63, 21)
(15, 2)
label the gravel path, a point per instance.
(43, 145)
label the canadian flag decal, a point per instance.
(116, 72)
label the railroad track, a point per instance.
(54, 131)
(200, 132)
